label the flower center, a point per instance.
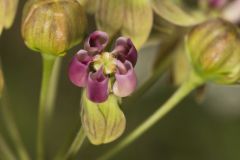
(105, 60)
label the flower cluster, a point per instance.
(104, 72)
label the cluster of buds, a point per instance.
(8, 10)
(107, 76)
(53, 26)
(213, 48)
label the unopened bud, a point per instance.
(8, 10)
(133, 18)
(53, 26)
(214, 51)
(90, 6)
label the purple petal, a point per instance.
(126, 50)
(97, 86)
(96, 42)
(126, 80)
(78, 68)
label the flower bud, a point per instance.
(214, 50)
(90, 6)
(137, 21)
(53, 26)
(109, 16)
(133, 18)
(8, 10)
(102, 122)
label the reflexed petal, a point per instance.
(126, 80)
(126, 50)
(97, 86)
(102, 122)
(96, 42)
(78, 68)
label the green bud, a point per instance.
(133, 18)
(90, 6)
(53, 26)
(109, 15)
(102, 122)
(138, 22)
(8, 10)
(213, 48)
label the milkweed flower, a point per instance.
(107, 76)
(101, 72)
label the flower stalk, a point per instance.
(48, 64)
(193, 82)
(53, 87)
(12, 128)
(5, 151)
(76, 145)
(10, 124)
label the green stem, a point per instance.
(48, 63)
(193, 82)
(12, 128)
(52, 91)
(76, 145)
(5, 151)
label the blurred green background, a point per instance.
(207, 131)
